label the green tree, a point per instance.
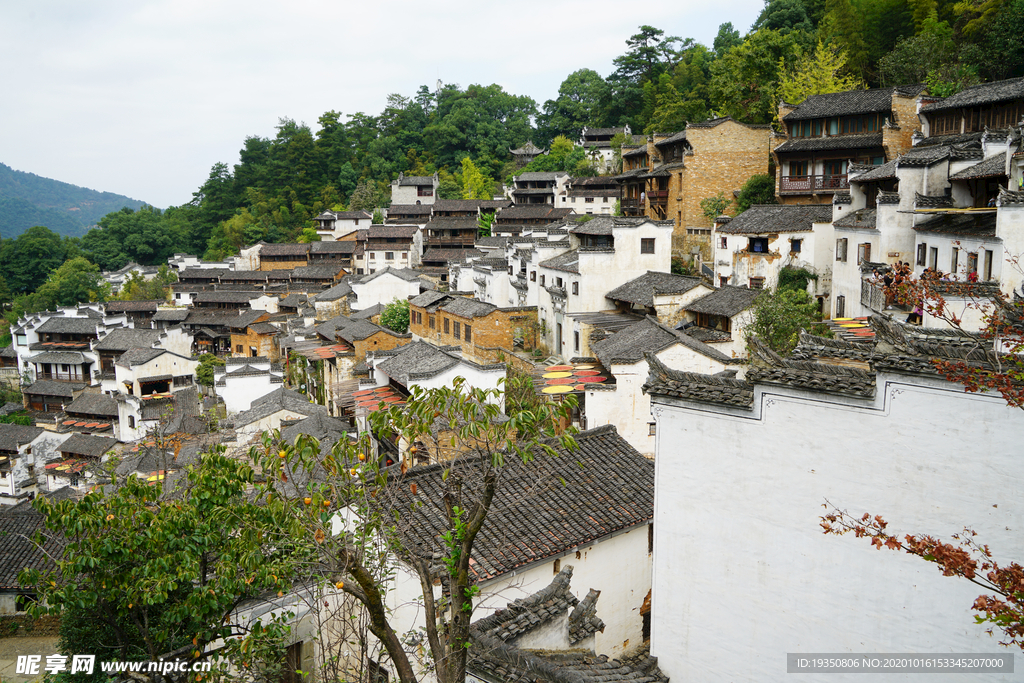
(159, 573)
(484, 224)
(395, 316)
(727, 38)
(75, 281)
(28, 259)
(475, 185)
(142, 236)
(137, 288)
(308, 235)
(780, 315)
(576, 107)
(465, 431)
(745, 81)
(713, 207)
(208, 363)
(759, 189)
(819, 73)
(784, 16)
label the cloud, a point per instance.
(142, 98)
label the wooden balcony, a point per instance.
(658, 196)
(804, 184)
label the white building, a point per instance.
(384, 286)
(745, 468)
(241, 381)
(334, 225)
(414, 189)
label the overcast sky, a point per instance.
(142, 98)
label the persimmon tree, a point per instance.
(166, 569)
(362, 518)
(1002, 605)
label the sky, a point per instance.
(142, 98)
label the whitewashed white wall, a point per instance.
(742, 571)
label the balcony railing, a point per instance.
(796, 184)
(659, 196)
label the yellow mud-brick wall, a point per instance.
(899, 138)
(790, 199)
(266, 345)
(724, 157)
(380, 341)
(281, 265)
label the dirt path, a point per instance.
(10, 648)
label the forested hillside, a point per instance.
(659, 83)
(27, 200)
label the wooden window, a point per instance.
(469, 333)
(722, 281)
(405, 256)
(798, 169)
(457, 330)
(723, 243)
(542, 280)
(863, 252)
(841, 250)
(373, 255)
(922, 254)
(757, 245)
(446, 325)
(933, 258)
(757, 283)
(972, 262)
(389, 255)
(576, 340)
(652, 429)
(988, 265)
(430, 322)
(575, 288)
(533, 276)
(840, 306)
(558, 282)
(238, 348)
(954, 261)
(647, 245)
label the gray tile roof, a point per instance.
(418, 360)
(85, 444)
(427, 299)
(986, 93)
(47, 387)
(122, 306)
(299, 251)
(774, 218)
(630, 345)
(547, 506)
(534, 176)
(138, 356)
(93, 403)
(886, 171)
(521, 212)
(316, 272)
(842, 104)
(12, 436)
(994, 166)
(862, 218)
(8, 352)
(19, 552)
(406, 232)
(812, 347)
(569, 262)
(726, 301)
(406, 274)
(641, 290)
(68, 357)
(276, 401)
(406, 180)
(983, 225)
(412, 209)
(332, 247)
(338, 291)
(60, 324)
(468, 308)
(692, 386)
(124, 338)
(219, 296)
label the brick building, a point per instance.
(482, 330)
(827, 133)
(278, 256)
(716, 156)
(257, 340)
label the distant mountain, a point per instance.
(27, 199)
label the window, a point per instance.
(652, 429)
(238, 348)
(604, 199)
(533, 276)
(576, 288)
(457, 331)
(863, 252)
(757, 283)
(131, 422)
(954, 261)
(373, 255)
(576, 341)
(359, 271)
(469, 333)
(541, 280)
(558, 282)
(446, 325)
(588, 200)
(389, 255)
(430, 322)
(798, 169)
(253, 352)
(841, 250)
(840, 306)
(424, 191)
(933, 258)
(723, 243)
(922, 253)
(647, 245)
(794, 246)
(988, 265)
(972, 263)
(757, 245)
(722, 281)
